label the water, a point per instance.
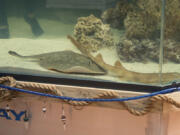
(132, 37)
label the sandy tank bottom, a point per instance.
(54, 39)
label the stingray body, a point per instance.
(65, 62)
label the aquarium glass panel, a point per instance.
(110, 40)
(171, 59)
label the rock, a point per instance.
(140, 25)
(142, 18)
(92, 33)
(153, 7)
(147, 50)
(115, 16)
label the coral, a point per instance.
(92, 33)
(172, 51)
(128, 52)
(143, 17)
(115, 16)
(140, 25)
(172, 29)
(148, 50)
(153, 7)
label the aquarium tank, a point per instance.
(122, 41)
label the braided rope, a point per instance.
(10, 81)
(45, 87)
(4, 94)
(164, 98)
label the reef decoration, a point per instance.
(147, 50)
(115, 16)
(141, 25)
(92, 33)
(153, 9)
(141, 19)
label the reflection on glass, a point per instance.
(105, 39)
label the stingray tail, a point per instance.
(20, 56)
(15, 54)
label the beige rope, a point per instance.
(10, 81)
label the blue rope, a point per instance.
(170, 90)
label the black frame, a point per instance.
(93, 83)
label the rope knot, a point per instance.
(4, 93)
(9, 81)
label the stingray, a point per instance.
(64, 62)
